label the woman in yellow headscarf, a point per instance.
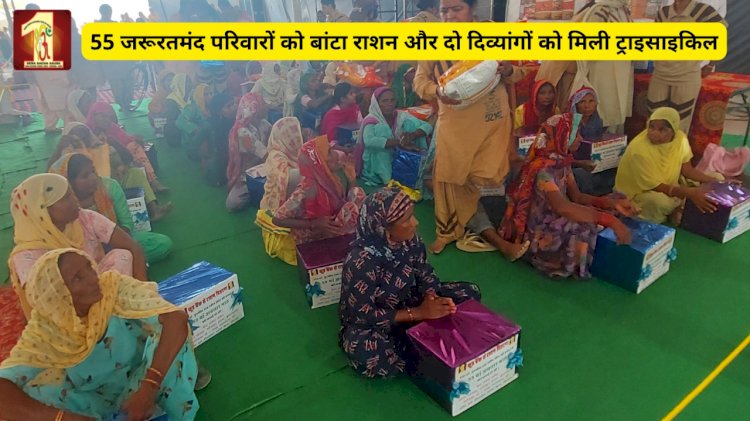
(47, 217)
(650, 171)
(194, 122)
(97, 346)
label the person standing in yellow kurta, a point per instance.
(473, 143)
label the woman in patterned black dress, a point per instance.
(387, 286)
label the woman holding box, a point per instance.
(546, 208)
(387, 286)
(383, 130)
(105, 196)
(326, 202)
(650, 171)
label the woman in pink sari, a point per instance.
(326, 203)
(47, 216)
(345, 112)
(102, 121)
(248, 142)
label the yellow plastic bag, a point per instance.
(279, 242)
(415, 195)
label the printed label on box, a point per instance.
(488, 191)
(739, 221)
(607, 153)
(215, 310)
(483, 375)
(324, 286)
(524, 144)
(656, 262)
(139, 213)
(159, 124)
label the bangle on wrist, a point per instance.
(411, 315)
(606, 220)
(60, 414)
(152, 382)
(155, 371)
(670, 191)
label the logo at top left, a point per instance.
(41, 39)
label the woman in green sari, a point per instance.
(105, 196)
(194, 122)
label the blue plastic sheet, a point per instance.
(256, 188)
(645, 234)
(192, 282)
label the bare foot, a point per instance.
(158, 212)
(158, 187)
(437, 246)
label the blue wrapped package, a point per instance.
(346, 135)
(256, 187)
(640, 264)
(274, 116)
(320, 264)
(211, 296)
(308, 120)
(406, 165)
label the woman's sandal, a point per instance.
(473, 243)
(520, 253)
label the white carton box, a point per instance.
(211, 296)
(138, 210)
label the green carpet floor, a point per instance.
(592, 350)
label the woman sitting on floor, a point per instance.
(102, 122)
(530, 115)
(110, 160)
(403, 87)
(345, 112)
(546, 207)
(385, 129)
(46, 216)
(248, 143)
(157, 108)
(387, 286)
(270, 86)
(326, 202)
(179, 94)
(313, 100)
(223, 110)
(105, 196)
(649, 172)
(97, 346)
(586, 103)
(194, 123)
(283, 176)
(79, 104)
